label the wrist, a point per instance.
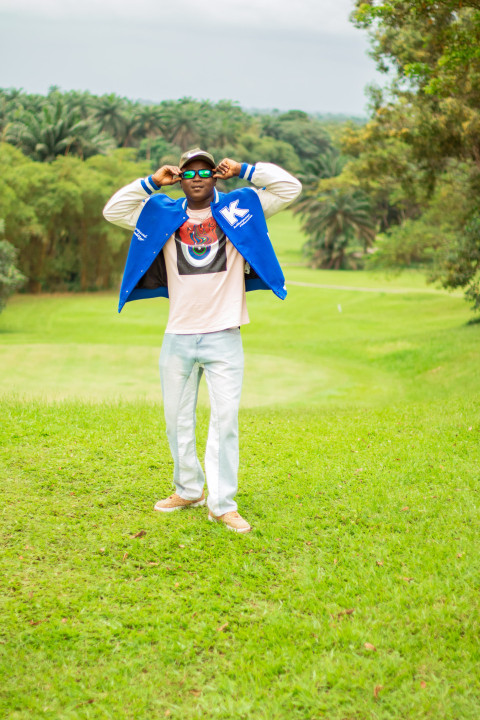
(246, 171)
(149, 184)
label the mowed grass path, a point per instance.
(357, 594)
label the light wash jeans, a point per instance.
(183, 359)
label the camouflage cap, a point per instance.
(196, 154)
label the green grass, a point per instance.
(359, 473)
(100, 624)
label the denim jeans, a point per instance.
(183, 359)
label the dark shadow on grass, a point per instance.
(8, 331)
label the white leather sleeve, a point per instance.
(124, 208)
(277, 188)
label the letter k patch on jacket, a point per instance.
(232, 213)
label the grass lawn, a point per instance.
(356, 597)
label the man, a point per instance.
(202, 252)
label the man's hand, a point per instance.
(167, 175)
(227, 168)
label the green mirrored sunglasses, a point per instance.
(190, 174)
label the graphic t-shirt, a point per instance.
(206, 278)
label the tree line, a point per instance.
(83, 124)
(63, 155)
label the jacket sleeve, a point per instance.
(125, 206)
(276, 187)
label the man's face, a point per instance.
(198, 189)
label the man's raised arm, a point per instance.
(277, 188)
(125, 206)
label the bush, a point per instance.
(411, 244)
(10, 277)
(461, 265)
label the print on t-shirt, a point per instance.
(200, 248)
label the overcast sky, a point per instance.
(283, 54)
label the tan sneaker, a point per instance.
(232, 520)
(175, 502)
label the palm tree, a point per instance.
(327, 165)
(11, 104)
(330, 164)
(185, 118)
(130, 130)
(227, 122)
(91, 141)
(149, 125)
(57, 130)
(110, 114)
(4, 116)
(81, 101)
(334, 220)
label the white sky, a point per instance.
(281, 54)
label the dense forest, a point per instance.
(399, 189)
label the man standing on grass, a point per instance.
(202, 252)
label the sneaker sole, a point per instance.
(229, 527)
(199, 503)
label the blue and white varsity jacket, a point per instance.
(241, 214)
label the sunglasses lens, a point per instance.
(190, 174)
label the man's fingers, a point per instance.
(174, 173)
(222, 169)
